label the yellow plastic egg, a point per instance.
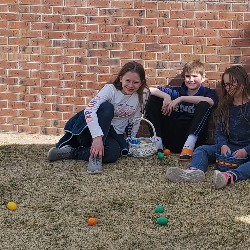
(12, 205)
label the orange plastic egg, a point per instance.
(92, 221)
(166, 151)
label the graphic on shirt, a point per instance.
(88, 111)
(185, 108)
(124, 110)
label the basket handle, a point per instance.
(149, 122)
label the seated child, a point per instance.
(96, 134)
(181, 114)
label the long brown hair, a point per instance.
(238, 75)
(136, 67)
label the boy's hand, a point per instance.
(240, 153)
(166, 101)
(97, 147)
(171, 105)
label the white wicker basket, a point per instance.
(148, 146)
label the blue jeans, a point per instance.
(206, 154)
(78, 136)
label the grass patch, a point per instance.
(55, 200)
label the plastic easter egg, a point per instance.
(92, 221)
(166, 151)
(160, 155)
(162, 220)
(12, 205)
(159, 209)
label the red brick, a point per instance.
(9, 1)
(167, 5)
(189, 40)
(119, 54)
(8, 127)
(181, 32)
(86, 28)
(241, 42)
(170, 40)
(18, 25)
(122, 38)
(231, 16)
(180, 48)
(18, 73)
(145, 55)
(121, 4)
(231, 33)
(8, 32)
(3, 104)
(30, 33)
(9, 112)
(217, 24)
(195, 6)
(218, 6)
(218, 41)
(154, 13)
(217, 59)
(241, 25)
(9, 16)
(44, 9)
(191, 57)
(207, 15)
(182, 14)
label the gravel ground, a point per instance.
(55, 199)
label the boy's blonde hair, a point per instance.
(194, 66)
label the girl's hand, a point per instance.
(97, 147)
(240, 153)
(225, 150)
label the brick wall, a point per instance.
(56, 54)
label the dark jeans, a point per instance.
(175, 130)
(114, 144)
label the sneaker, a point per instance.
(175, 174)
(186, 154)
(222, 179)
(159, 144)
(94, 165)
(64, 152)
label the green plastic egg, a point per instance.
(160, 155)
(162, 220)
(159, 209)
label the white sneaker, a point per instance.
(64, 152)
(94, 165)
(159, 143)
(175, 174)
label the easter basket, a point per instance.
(143, 146)
(229, 161)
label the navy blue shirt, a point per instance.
(239, 128)
(185, 110)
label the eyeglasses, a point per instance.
(229, 84)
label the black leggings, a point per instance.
(174, 131)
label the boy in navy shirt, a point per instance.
(180, 115)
